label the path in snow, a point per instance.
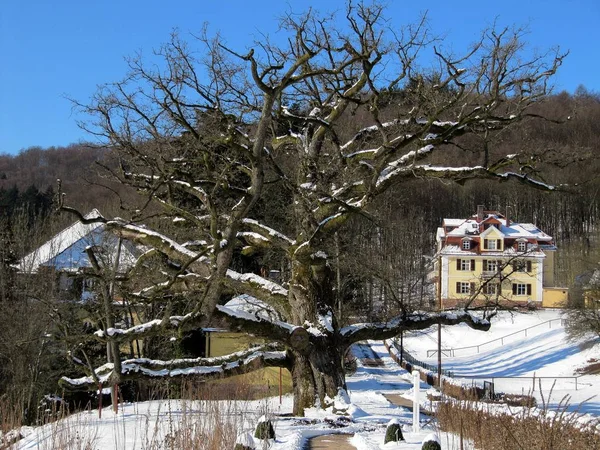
(330, 442)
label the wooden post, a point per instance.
(440, 307)
(100, 401)
(116, 398)
(401, 346)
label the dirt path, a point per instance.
(330, 442)
(398, 400)
(367, 356)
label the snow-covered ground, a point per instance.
(545, 352)
(139, 425)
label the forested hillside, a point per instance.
(567, 144)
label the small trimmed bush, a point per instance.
(244, 442)
(264, 429)
(240, 446)
(431, 445)
(393, 432)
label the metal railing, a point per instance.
(533, 379)
(403, 354)
(451, 352)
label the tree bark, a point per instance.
(317, 373)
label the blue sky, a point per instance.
(50, 49)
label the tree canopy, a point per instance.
(273, 150)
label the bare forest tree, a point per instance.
(272, 151)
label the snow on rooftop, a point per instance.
(470, 227)
(453, 222)
(58, 244)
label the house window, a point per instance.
(464, 288)
(466, 244)
(521, 289)
(522, 266)
(491, 289)
(88, 284)
(465, 264)
(521, 246)
(492, 244)
(490, 265)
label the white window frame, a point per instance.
(521, 289)
(521, 246)
(491, 244)
(465, 265)
(491, 265)
(465, 288)
(466, 244)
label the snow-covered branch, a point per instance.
(272, 236)
(158, 241)
(202, 368)
(262, 324)
(259, 287)
(414, 321)
(458, 174)
(169, 324)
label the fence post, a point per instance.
(100, 401)
(416, 381)
(533, 382)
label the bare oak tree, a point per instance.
(333, 115)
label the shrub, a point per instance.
(431, 445)
(264, 429)
(393, 432)
(244, 442)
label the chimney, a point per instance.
(479, 213)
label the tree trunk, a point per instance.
(317, 370)
(317, 375)
(303, 384)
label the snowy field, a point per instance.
(544, 352)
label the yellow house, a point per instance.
(489, 258)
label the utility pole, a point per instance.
(439, 295)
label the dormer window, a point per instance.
(522, 246)
(466, 244)
(492, 244)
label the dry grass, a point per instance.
(592, 367)
(208, 417)
(10, 420)
(519, 428)
(202, 418)
(198, 425)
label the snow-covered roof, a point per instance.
(66, 250)
(471, 227)
(245, 304)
